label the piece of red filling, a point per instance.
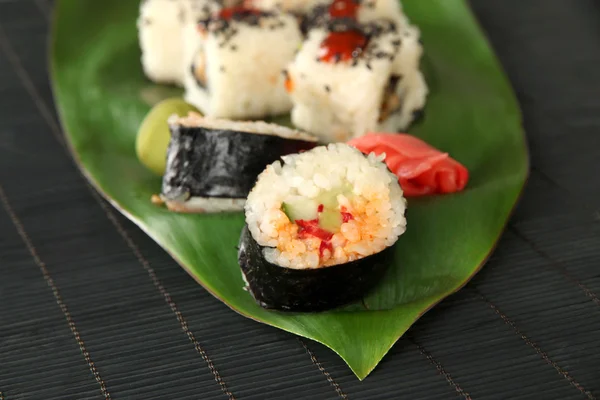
(308, 228)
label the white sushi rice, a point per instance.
(191, 38)
(244, 76)
(338, 101)
(306, 176)
(207, 205)
(159, 33)
(255, 127)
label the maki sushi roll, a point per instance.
(350, 78)
(320, 229)
(212, 164)
(236, 72)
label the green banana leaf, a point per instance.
(102, 97)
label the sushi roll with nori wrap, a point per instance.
(320, 229)
(212, 164)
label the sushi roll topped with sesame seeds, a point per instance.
(236, 72)
(350, 78)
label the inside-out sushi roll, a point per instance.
(320, 228)
(351, 78)
(212, 164)
(236, 73)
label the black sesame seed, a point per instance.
(393, 82)
(418, 115)
(369, 67)
(327, 89)
(233, 47)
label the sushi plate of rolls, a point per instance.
(332, 168)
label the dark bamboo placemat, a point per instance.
(92, 308)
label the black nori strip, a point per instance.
(308, 290)
(219, 162)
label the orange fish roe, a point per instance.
(360, 234)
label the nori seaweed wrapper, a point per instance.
(220, 163)
(308, 290)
